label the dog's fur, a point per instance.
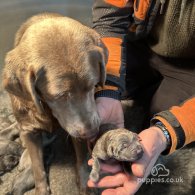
(10, 153)
(25, 180)
(116, 144)
(50, 75)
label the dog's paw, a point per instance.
(43, 190)
(94, 176)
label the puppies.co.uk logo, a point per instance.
(160, 174)
(160, 171)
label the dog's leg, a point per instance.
(25, 180)
(33, 143)
(81, 166)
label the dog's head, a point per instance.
(124, 145)
(60, 67)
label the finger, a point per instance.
(143, 168)
(129, 188)
(106, 168)
(132, 185)
(90, 162)
(109, 192)
(139, 167)
(110, 181)
(150, 151)
(117, 191)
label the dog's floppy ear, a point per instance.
(102, 58)
(30, 85)
(104, 53)
(19, 81)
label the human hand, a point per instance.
(110, 111)
(153, 142)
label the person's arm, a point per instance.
(180, 122)
(111, 21)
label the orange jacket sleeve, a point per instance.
(180, 122)
(111, 21)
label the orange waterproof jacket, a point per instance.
(112, 19)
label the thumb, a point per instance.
(143, 167)
(139, 167)
(150, 143)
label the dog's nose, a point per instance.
(87, 134)
(81, 133)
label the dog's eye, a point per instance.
(88, 88)
(125, 145)
(59, 95)
(62, 95)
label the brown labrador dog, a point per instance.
(50, 75)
